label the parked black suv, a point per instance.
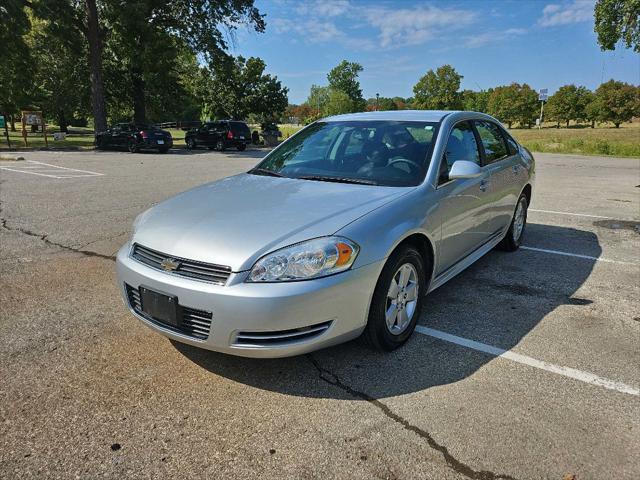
(135, 137)
(220, 135)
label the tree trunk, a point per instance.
(617, 124)
(62, 122)
(593, 124)
(12, 119)
(510, 123)
(567, 123)
(95, 68)
(138, 88)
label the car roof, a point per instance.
(394, 115)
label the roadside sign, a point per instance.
(2, 121)
(543, 94)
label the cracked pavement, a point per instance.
(88, 391)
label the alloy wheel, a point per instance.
(402, 299)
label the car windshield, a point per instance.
(368, 152)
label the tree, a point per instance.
(476, 101)
(513, 103)
(240, 87)
(344, 77)
(568, 103)
(382, 103)
(318, 99)
(439, 90)
(617, 20)
(338, 102)
(15, 59)
(615, 102)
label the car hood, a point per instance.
(236, 220)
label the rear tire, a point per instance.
(513, 239)
(191, 144)
(397, 300)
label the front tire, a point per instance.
(513, 239)
(133, 147)
(191, 144)
(220, 146)
(397, 300)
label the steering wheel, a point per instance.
(413, 165)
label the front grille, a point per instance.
(280, 337)
(194, 323)
(206, 272)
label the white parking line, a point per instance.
(51, 171)
(569, 213)
(585, 377)
(577, 255)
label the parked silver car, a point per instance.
(339, 232)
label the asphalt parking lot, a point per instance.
(526, 366)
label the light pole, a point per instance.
(377, 102)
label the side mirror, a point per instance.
(464, 169)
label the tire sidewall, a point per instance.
(379, 334)
(517, 242)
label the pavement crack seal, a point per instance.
(45, 239)
(452, 462)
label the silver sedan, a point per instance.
(340, 232)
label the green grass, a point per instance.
(79, 138)
(602, 140)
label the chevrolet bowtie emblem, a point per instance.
(169, 264)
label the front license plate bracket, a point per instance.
(161, 307)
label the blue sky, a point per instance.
(545, 43)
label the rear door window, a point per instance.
(495, 147)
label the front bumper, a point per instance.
(340, 301)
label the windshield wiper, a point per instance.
(264, 171)
(322, 178)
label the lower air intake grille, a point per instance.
(194, 323)
(280, 337)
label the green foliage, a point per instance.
(618, 20)
(514, 103)
(476, 101)
(439, 90)
(344, 78)
(615, 102)
(239, 87)
(568, 103)
(338, 102)
(16, 65)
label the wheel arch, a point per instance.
(424, 245)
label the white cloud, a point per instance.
(311, 31)
(481, 39)
(577, 11)
(323, 8)
(399, 27)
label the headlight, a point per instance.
(311, 259)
